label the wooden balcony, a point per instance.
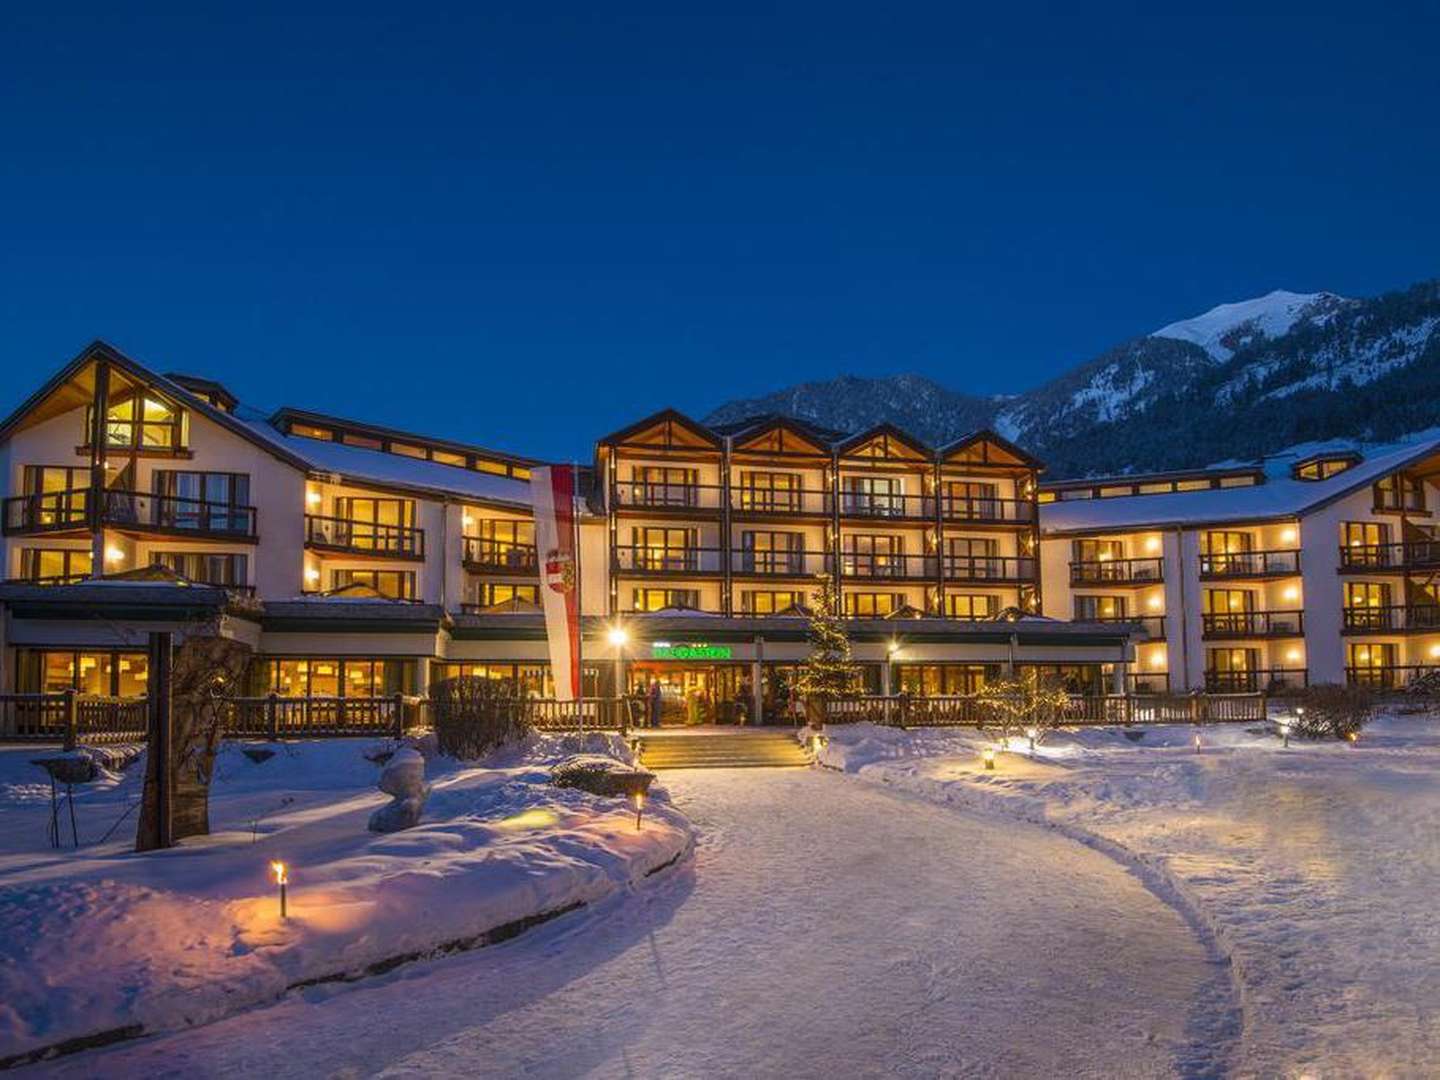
(990, 569)
(662, 562)
(763, 503)
(879, 506)
(1250, 564)
(1268, 680)
(487, 556)
(1390, 558)
(1391, 676)
(363, 539)
(1252, 624)
(868, 566)
(773, 564)
(136, 513)
(1392, 619)
(1130, 572)
(987, 511)
(1153, 625)
(666, 498)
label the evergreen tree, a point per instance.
(828, 672)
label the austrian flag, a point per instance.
(553, 488)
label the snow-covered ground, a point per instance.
(825, 928)
(102, 938)
(1314, 866)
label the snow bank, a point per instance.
(103, 939)
(1312, 867)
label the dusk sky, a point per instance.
(525, 228)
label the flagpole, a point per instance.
(579, 596)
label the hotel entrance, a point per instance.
(693, 694)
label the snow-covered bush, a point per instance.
(1331, 711)
(601, 775)
(473, 716)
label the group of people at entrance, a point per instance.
(694, 707)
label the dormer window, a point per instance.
(136, 420)
(1324, 466)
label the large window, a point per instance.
(332, 677)
(665, 485)
(772, 552)
(971, 499)
(106, 674)
(141, 421)
(490, 593)
(1099, 608)
(872, 605)
(206, 568)
(58, 495)
(874, 556)
(770, 602)
(1092, 551)
(658, 548)
(396, 584)
(1399, 492)
(883, 496)
(51, 566)
(971, 605)
(658, 599)
(217, 501)
(375, 524)
(524, 679)
(1361, 539)
(1225, 542)
(772, 492)
(938, 680)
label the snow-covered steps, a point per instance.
(709, 749)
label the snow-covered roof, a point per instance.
(377, 467)
(1280, 496)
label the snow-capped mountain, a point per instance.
(1238, 381)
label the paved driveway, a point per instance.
(826, 928)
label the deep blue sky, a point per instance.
(528, 227)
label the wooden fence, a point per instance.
(276, 717)
(71, 718)
(968, 710)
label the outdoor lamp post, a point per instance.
(281, 879)
(618, 638)
(639, 805)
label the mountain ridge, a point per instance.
(1275, 370)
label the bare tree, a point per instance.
(1028, 705)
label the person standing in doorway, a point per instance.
(652, 704)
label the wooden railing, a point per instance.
(988, 510)
(488, 554)
(1243, 564)
(640, 559)
(996, 568)
(47, 511)
(1256, 680)
(1407, 554)
(664, 495)
(276, 717)
(1249, 624)
(177, 514)
(1391, 617)
(1117, 571)
(364, 537)
(968, 710)
(780, 563)
(71, 718)
(885, 566)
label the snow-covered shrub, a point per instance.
(473, 716)
(1331, 711)
(601, 775)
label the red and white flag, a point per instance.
(553, 487)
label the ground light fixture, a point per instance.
(1284, 732)
(988, 754)
(1197, 742)
(1031, 734)
(282, 878)
(639, 806)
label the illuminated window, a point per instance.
(445, 457)
(395, 584)
(310, 431)
(971, 606)
(871, 605)
(141, 421)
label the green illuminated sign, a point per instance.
(660, 650)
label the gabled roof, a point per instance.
(986, 438)
(282, 416)
(1281, 497)
(668, 420)
(887, 431)
(815, 440)
(100, 350)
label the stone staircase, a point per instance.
(721, 750)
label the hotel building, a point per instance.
(360, 561)
(1317, 569)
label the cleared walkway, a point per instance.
(826, 928)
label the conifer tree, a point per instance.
(828, 672)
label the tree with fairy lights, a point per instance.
(1029, 705)
(828, 672)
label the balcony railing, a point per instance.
(1269, 680)
(780, 563)
(637, 559)
(364, 537)
(887, 567)
(50, 511)
(779, 501)
(481, 553)
(997, 568)
(1154, 625)
(1392, 617)
(659, 495)
(1411, 554)
(1117, 572)
(62, 511)
(1249, 624)
(1392, 676)
(872, 504)
(176, 514)
(1241, 564)
(987, 510)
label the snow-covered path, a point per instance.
(825, 928)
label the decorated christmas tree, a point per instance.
(828, 672)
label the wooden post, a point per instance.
(72, 718)
(399, 700)
(272, 716)
(159, 688)
(95, 500)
